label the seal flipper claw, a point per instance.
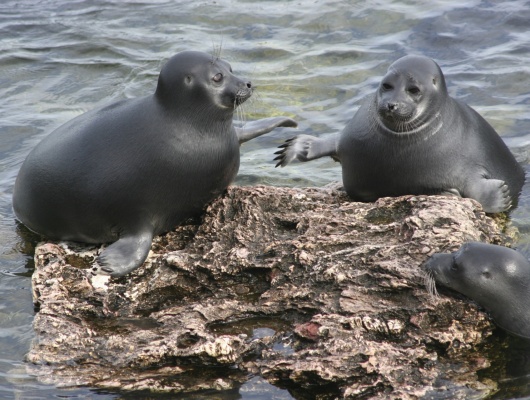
(257, 128)
(124, 255)
(306, 148)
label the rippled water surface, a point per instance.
(311, 60)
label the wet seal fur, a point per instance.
(134, 169)
(411, 137)
(496, 277)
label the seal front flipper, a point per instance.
(257, 128)
(306, 148)
(124, 255)
(492, 194)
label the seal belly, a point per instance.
(193, 185)
(375, 166)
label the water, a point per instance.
(310, 59)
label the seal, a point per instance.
(134, 169)
(411, 137)
(496, 277)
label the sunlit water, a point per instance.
(310, 59)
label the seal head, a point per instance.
(194, 77)
(496, 277)
(412, 87)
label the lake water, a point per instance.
(312, 60)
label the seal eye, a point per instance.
(486, 275)
(218, 78)
(414, 90)
(387, 86)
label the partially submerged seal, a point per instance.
(137, 168)
(496, 277)
(411, 137)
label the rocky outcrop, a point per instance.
(313, 292)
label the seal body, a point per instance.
(136, 168)
(411, 137)
(496, 277)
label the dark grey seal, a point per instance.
(496, 277)
(411, 137)
(137, 168)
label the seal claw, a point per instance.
(98, 269)
(306, 148)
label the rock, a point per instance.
(302, 287)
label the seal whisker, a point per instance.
(252, 101)
(430, 284)
(243, 109)
(216, 50)
(374, 122)
(255, 100)
(240, 112)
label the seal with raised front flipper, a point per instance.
(126, 172)
(411, 137)
(496, 277)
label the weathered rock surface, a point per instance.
(311, 291)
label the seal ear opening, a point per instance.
(188, 79)
(434, 81)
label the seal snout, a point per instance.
(391, 106)
(396, 115)
(437, 269)
(244, 92)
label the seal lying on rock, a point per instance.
(137, 168)
(496, 277)
(411, 137)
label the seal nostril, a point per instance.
(391, 106)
